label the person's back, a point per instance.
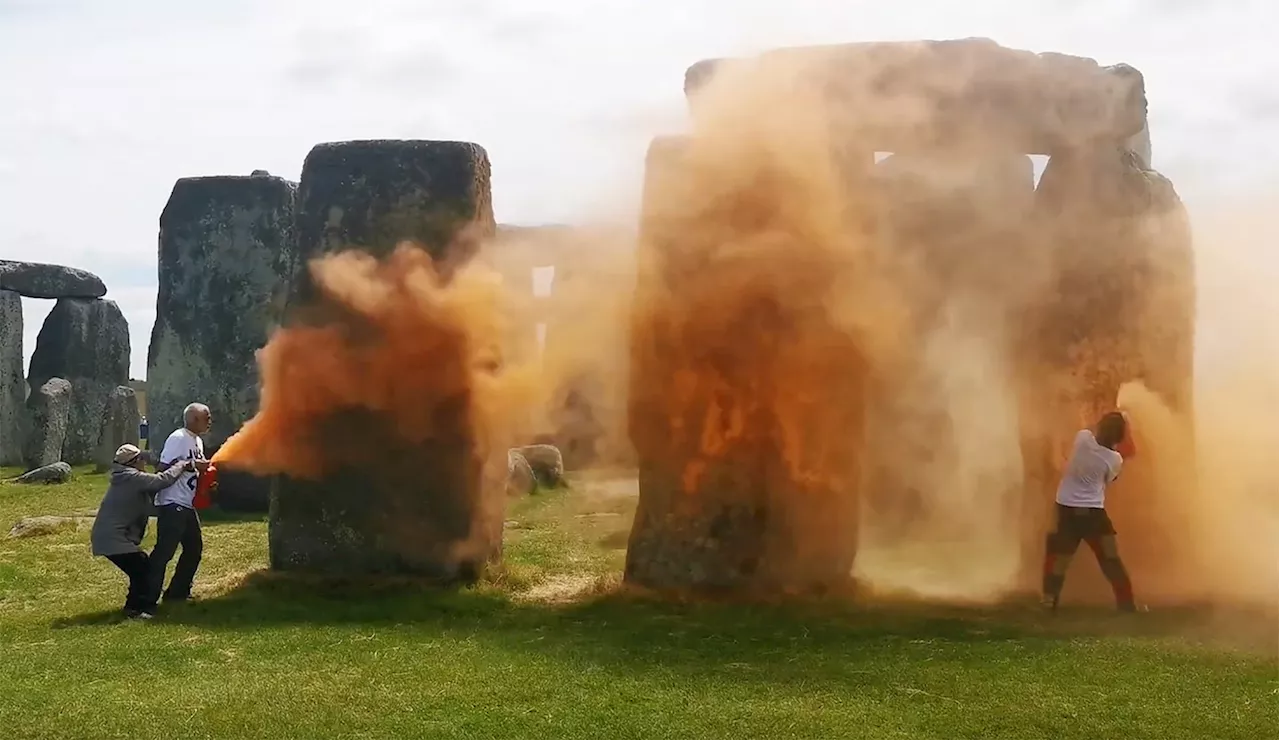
(1082, 513)
(1092, 466)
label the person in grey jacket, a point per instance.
(122, 521)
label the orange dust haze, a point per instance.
(408, 347)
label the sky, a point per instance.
(103, 105)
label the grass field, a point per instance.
(551, 648)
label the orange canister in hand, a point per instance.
(204, 488)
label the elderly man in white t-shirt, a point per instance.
(177, 523)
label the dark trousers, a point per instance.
(136, 566)
(175, 525)
(1095, 528)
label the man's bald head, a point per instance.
(196, 418)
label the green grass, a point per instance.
(527, 654)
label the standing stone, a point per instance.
(432, 508)
(120, 422)
(36, 280)
(87, 343)
(371, 195)
(13, 389)
(745, 406)
(226, 261)
(1121, 308)
(48, 409)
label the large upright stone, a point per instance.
(1120, 308)
(13, 390)
(745, 403)
(120, 422)
(371, 195)
(37, 280)
(48, 409)
(87, 343)
(226, 261)
(430, 508)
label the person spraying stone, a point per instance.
(177, 523)
(1096, 459)
(121, 521)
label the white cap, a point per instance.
(127, 453)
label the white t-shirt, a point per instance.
(181, 445)
(1090, 469)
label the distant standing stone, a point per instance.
(35, 280)
(226, 260)
(87, 343)
(47, 409)
(120, 422)
(13, 390)
(58, 472)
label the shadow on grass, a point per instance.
(216, 516)
(628, 618)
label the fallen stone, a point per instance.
(13, 386)
(226, 260)
(48, 409)
(38, 526)
(545, 462)
(120, 422)
(521, 480)
(85, 342)
(36, 280)
(58, 472)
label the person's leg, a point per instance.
(189, 561)
(170, 524)
(134, 566)
(1060, 547)
(139, 572)
(1106, 550)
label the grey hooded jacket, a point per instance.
(122, 516)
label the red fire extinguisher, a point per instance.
(204, 488)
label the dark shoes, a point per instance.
(138, 614)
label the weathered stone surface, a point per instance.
(13, 387)
(36, 280)
(242, 491)
(546, 463)
(120, 421)
(371, 195)
(48, 409)
(226, 260)
(896, 96)
(744, 408)
(1121, 307)
(430, 507)
(85, 342)
(38, 526)
(58, 472)
(521, 480)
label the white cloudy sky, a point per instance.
(104, 104)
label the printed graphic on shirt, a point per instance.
(181, 445)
